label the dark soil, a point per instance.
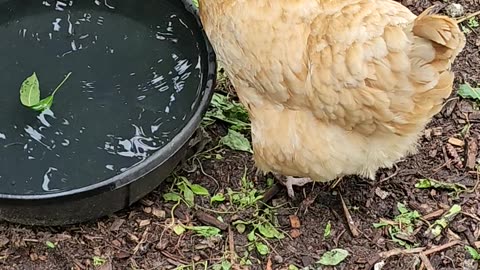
(139, 237)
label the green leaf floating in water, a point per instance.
(30, 93)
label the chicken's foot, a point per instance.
(290, 181)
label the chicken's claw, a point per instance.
(295, 181)
(290, 181)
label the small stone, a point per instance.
(147, 210)
(278, 259)
(455, 10)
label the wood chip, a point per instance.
(471, 152)
(438, 131)
(33, 257)
(210, 220)
(147, 210)
(146, 202)
(116, 243)
(3, 241)
(122, 255)
(456, 142)
(295, 233)
(434, 215)
(143, 223)
(116, 224)
(452, 152)
(161, 245)
(428, 134)
(269, 263)
(106, 266)
(133, 237)
(158, 213)
(294, 221)
(381, 193)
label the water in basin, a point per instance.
(135, 78)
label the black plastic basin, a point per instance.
(142, 74)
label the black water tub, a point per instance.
(141, 78)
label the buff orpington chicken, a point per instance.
(333, 87)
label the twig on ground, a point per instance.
(142, 241)
(173, 258)
(467, 17)
(420, 250)
(426, 261)
(434, 214)
(210, 220)
(395, 173)
(394, 252)
(334, 185)
(471, 216)
(270, 193)
(231, 246)
(442, 247)
(350, 222)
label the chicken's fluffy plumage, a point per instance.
(333, 87)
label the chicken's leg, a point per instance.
(290, 181)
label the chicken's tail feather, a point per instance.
(442, 30)
(443, 35)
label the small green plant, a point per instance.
(328, 230)
(195, 3)
(467, 91)
(261, 230)
(437, 227)
(473, 23)
(455, 188)
(192, 266)
(98, 261)
(187, 192)
(402, 227)
(473, 253)
(224, 265)
(205, 231)
(224, 109)
(247, 197)
(50, 244)
(219, 197)
(30, 93)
